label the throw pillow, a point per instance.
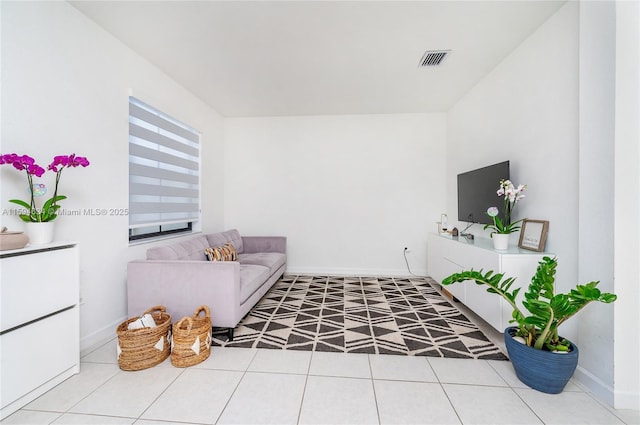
(227, 252)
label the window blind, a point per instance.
(164, 169)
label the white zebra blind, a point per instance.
(164, 168)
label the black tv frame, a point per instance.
(477, 192)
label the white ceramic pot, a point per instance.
(500, 241)
(40, 233)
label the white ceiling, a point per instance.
(271, 58)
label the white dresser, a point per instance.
(39, 321)
(448, 255)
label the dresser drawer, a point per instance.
(34, 354)
(36, 284)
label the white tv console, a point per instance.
(448, 255)
(40, 321)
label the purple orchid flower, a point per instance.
(28, 164)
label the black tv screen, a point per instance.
(477, 192)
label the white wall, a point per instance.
(349, 192)
(596, 180)
(65, 87)
(550, 108)
(627, 207)
(526, 111)
(609, 194)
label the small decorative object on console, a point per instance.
(12, 240)
(533, 235)
(442, 224)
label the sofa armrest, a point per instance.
(183, 285)
(253, 244)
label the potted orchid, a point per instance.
(504, 226)
(49, 210)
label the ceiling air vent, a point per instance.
(433, 57)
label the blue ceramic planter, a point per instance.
(541, 370)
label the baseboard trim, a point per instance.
(354, 272)
(605, 393)
(89, 342)
(627, 400)
(595, 385)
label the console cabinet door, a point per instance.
(478, 299)
(450, 255)
(522, 267)
(441, 263)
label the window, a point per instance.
(164, 173)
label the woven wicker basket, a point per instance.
(192, 339)
(145, 347)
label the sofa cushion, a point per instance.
(192, 249)
(252, 277)
(230, 236)
(272, 260)
(221, 253)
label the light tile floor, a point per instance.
(245, 386)
(260, 386)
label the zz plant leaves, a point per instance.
(546, 310)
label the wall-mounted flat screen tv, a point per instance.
(477, 192)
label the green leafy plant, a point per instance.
(547, 309)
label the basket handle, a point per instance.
(207, 312)
(189, 325)
(160, 308)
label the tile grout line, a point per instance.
(610, 409)
(373, 386)
(446, 394)
(304, 388)
(97, 346)
(244, 373)
(514, 389)
(161, 393)
(95, 389)
(444, 391)
(527, 404)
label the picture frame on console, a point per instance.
(533, 234)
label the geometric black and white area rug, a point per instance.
(377, 315)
